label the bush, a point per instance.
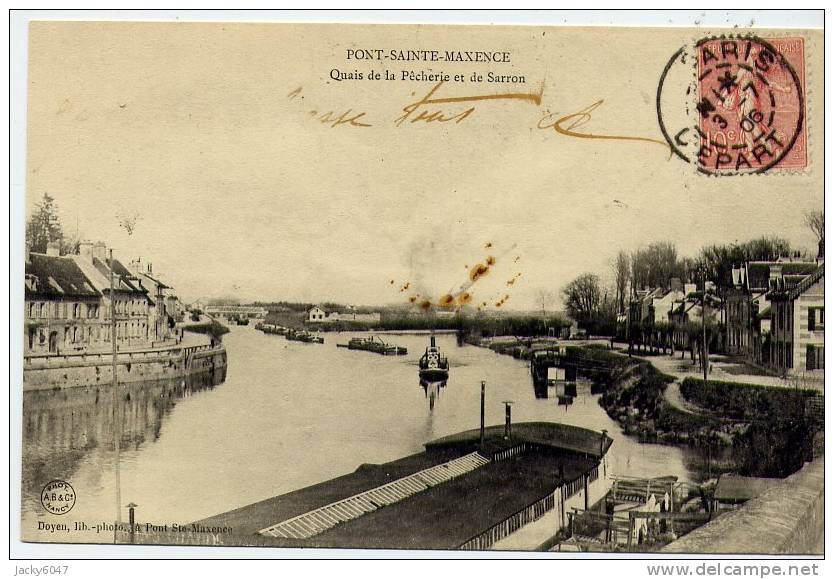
(746, 401)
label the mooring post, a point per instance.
(131, 507)
(483, 403)
(508, 415)
(587, 499)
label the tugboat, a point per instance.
(433, 366)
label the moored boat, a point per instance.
(375, 345)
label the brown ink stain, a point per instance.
(464, 298)
(425, 305)
(412, 299)
(488, 245)
(490, 261)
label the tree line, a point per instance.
(595, 304)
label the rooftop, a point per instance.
(125, 280)
(758, 272)
(443, 516)
(733, 488)
(55, 277)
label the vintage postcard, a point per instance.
(485, 288)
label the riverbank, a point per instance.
(195, 353)
(772, 436)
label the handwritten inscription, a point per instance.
(429, 115)
(567, 125)
(432, 108)
(348, 117)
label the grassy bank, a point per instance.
(764, 427)
(777, 438)
(746, 401)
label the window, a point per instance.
(814, 357)
(816, 319)
(33, 310)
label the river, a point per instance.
(287, 415)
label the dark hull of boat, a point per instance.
(434, 374)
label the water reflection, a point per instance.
(65, 429)
(432, 390)
(289, 415)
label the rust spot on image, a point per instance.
(447, 301)
(478, 272)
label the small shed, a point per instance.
(733, 490)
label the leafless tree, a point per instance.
(815, 221)
(545, 299)
(582, 297)
(621, 269)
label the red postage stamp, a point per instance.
(751, 104)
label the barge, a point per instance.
(375, 345)
(303, 336)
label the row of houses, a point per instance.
(776, 314)
(67, 301)
(320, 315)
(664, 316)
(771, 313)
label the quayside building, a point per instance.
(503, 487)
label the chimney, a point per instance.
(821, 251)
(136, 265)
(85, 250)
(675, 284)
(53, 249)
(100, 251)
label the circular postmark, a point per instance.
(58, 497)
(733, 105)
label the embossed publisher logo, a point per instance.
(58, 497)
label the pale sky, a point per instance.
(239, 190)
